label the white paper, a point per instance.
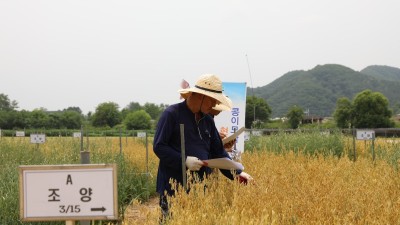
(224, 163)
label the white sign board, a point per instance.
(365, 135)
(141, 134)
(76, 134)
(256, 133)
(20, 133)
(68, 192)
(246, 135)
(38, 138)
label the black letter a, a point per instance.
(69, 179)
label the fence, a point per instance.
(70, 132)
(379, 132)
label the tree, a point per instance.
(134, 106)
(138, 120)
(153, 110)
(343, 113)
(131, 107)
(74, 108)
(21, 119)
(71, 119)
(39, 119)
(13, 119)
(257, 110)
(6, 104)
(5, 120)
(106, 114)
(295, 115)
(55, 120)
(371, 110)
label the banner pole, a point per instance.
(182, 129)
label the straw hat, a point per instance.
(209, 85)
(222, 107)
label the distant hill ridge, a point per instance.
(318, 89)
(383, 72)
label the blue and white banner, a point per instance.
(230, 121)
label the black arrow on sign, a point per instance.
(98, 209)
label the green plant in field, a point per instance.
(132, 183)
(311, 142)
(14, 152)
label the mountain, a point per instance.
(318, 89)
(383, 72)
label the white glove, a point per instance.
(245, 177)
(193, 163)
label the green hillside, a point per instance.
(383, 72)
(318, 89)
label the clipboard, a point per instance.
(233, 136)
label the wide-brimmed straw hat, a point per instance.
(209, 85)
(222, 107)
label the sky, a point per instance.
(81, 53)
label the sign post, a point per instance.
(68, 192)
(19, 133)
(38, 139)
(76, 134)
(367, 135)
(144, 135)
(183, 155)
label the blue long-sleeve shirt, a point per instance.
(201, 140)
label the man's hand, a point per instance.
(229, 145)
(193, 163)
(223, 135)
(245, 177)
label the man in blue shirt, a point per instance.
(202, 141)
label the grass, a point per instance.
(312, 142)
(133, 181)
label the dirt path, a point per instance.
(138, 213)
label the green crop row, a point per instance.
(57, 151)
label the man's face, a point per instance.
(215, 112)
(206, 104)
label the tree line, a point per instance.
(367, 110)
(106, 115)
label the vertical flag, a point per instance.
(230, 121)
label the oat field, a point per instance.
(299, 179)
(296, 187)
